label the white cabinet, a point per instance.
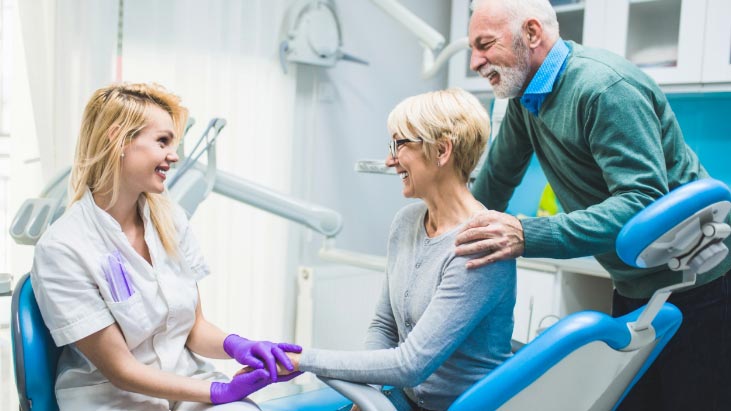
(717, 43)
(677, 42)
(536, 302)
(663, 37)
(549, 289)
(574, 21)
(460, 74)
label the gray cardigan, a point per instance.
(438, 328)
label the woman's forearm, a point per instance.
(206, 339)
(108, 351)
(150, 381)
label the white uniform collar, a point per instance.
(105, 218)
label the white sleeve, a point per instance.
(67, 295)
(188, 247)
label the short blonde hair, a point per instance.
(112, 118)
(451, 114)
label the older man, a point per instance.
(609, 144)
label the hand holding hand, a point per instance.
(257, 354)
(498, 236)
(284, 375)
(240, 387)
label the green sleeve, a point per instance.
(623, 134)
(507, 160)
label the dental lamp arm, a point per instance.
(431, 39)
(320, 219)
(431, 68)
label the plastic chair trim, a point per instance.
(17, 343)
(574, 331)
(667, 212)
(34, 352)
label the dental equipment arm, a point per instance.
(431, 39)
(188, 185)
(320, 219)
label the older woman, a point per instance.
(438, 328)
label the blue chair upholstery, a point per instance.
(562, 369)
(34, 353)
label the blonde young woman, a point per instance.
(116, 276)
(438, 329)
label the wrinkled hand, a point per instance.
(240, 387)
(258, 354)
(495, 236)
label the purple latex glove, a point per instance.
(240, 387)
(257, 354)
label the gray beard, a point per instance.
(512, 79)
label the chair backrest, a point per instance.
(35, 355)
(581, 364)
(590, 361)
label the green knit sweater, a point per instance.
(609, 144)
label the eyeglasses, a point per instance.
(394, 145)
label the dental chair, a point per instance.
(35, 355)
(589, 360)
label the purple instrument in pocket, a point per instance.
(117, 277)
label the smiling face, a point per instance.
(147, 158)
(498, 51)
(412, 166)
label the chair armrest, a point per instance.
(363, 395)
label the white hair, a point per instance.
(519, 11)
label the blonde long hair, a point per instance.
(112, 118)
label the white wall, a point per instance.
(341, 118)
(342, 115)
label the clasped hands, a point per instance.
(262, 357)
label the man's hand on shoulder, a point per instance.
(493, 235)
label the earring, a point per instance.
(122, 155)
(439, 164)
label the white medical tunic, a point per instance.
(75, 300)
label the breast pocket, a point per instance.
(133, 319)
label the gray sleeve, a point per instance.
(461, 301)
(382, 333)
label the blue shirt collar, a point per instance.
(542, 83)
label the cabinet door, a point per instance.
(573, 25)
(717, 45)
(460, 74)
(537, 300)
(663, 37)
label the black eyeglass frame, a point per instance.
(394, 145)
